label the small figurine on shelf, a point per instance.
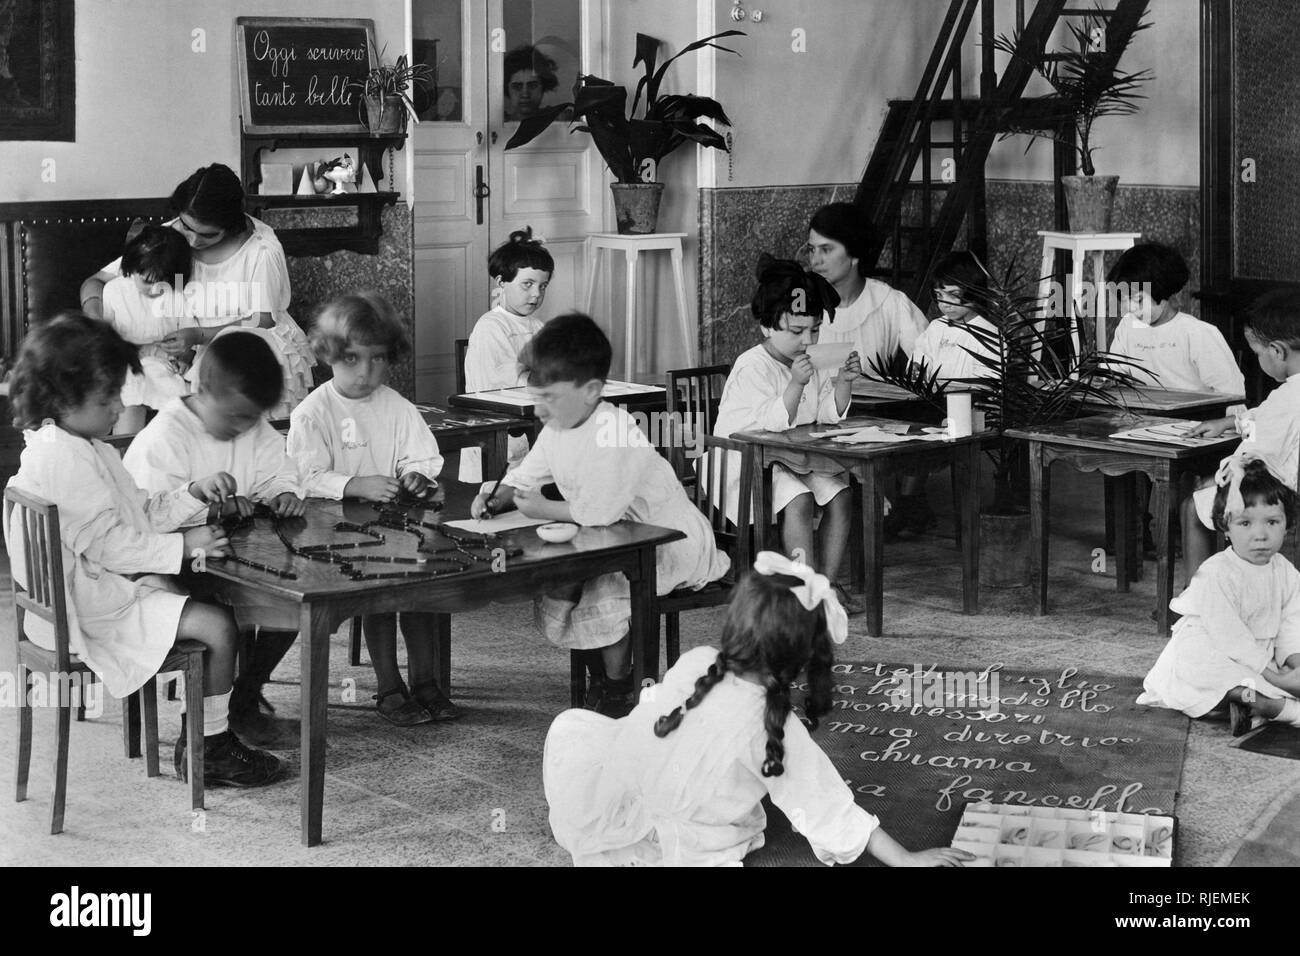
(337, 171)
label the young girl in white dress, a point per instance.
(521, 269)
(354, 437)
(123, 615)
(1238, 641)
(680, 781)
(241, 278)
(607, 471)
(145, 304)
(774, 387)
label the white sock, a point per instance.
(1290, 713)
(216, 713)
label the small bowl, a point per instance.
(557, 532)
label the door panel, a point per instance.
(451, 239)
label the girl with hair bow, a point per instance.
(681, 779)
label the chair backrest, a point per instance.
(462, 346)
(693, 394)
(716, 465)
(42, 550)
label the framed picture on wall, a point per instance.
(37, 70)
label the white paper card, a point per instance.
(471, 465)
(497, 523)
(829, 355)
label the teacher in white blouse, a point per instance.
(877, 318)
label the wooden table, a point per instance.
(1170, 402)
(870, 464)
(323, 598)
(518, 403)
(456, 430)
(1085, 445)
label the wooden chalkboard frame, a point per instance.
(245, 88)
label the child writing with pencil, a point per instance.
(354, 437)
(607, 471)
(222, 430)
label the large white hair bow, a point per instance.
(1231, 471)
(815, 589)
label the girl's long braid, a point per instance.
(669, 722)
(774, 716)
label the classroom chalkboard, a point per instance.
(294, 73)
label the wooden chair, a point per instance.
(462, 346)
(693, 394)
(715, 466)
(45, 596)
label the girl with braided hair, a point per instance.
(681, 779)
(774, 387)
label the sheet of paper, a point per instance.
(1173, 433)
(496, 524)
(874, 436)
(829, 355)
(614, 387)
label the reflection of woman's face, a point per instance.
(523, 93)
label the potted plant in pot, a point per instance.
(1087, 85)
(633, 147)
(1028, 384)
(384, 94)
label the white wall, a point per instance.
(813, 117)
(150, 108)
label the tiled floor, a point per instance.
(470, 793)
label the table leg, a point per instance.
(1120, 492)
(593, 262)
(314, 662)
(1160, 503)
(1040, 478)
(495, 454)
(873, 544)
(629, 330)
(643, 628)
(689, 334)
(968, 463)
(763, 504)
(442, 651)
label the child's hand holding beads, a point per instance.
(288, 505)
(373, 488)
(416, 484)
(214, 488)
(182, 340)
(212, 542)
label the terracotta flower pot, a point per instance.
(636, 207)
(1004, 551)
(385, 116)
(1089, 200)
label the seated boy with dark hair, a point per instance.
(607, 471)
(222, 431)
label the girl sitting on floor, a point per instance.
(1241, 612)
(680, 780)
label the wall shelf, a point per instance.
(363, 235)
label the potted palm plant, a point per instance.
(1087, 85)
(384, 94)
(633, 147)
(1032, 379)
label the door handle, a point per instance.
(481, 192)
(494, 137)
(478, 138)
